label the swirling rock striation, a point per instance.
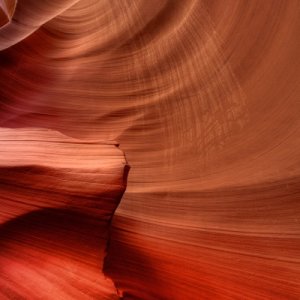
(58, 196)
(204, 98)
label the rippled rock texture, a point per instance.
(203, 97)
(58, 196)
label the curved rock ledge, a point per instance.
(58, 196)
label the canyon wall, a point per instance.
(203, 98)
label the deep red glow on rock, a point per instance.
(203, 97)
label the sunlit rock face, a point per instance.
(7, 8)
(203, 97)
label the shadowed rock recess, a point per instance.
(203, 96)
(58, 196)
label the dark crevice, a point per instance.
(125, 177)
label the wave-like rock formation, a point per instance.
(203, 97)
(58, 196)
